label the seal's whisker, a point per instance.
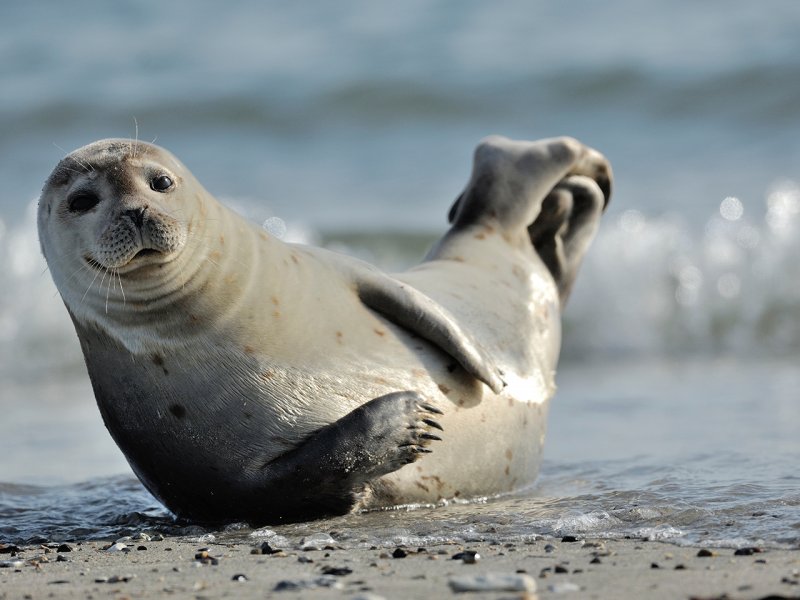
(74, 170)
(122, 291)
(83, 267)
(91, 283)
(108, 290)
(136, 137)
(85, 165)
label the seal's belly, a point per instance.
(491, 448)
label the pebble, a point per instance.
(549, 548)
(11, 564)
(141, 536)
(569, 539)
(399, 553)
(493, 582)
(469, 557)
(239, 577)
(317, 541)
(563, 587)
(705, 553)
(560, 569)
(114, 579)
(265, 548)
(64, 548)
(304, 559)
(9, 549)
(596, 561)
(747, 551)
(326, 581)
(62, 558)
(336, 571)
(367, 596)
(118, 547)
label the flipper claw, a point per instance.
(432, 423)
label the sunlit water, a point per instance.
(677, 415)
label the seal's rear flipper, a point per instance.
(555, 188)
(326, 474)
(511, 178)
(566, 226)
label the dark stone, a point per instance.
(569, 539)
(705, 553)
(64, 548)
(469, 557)
(336, 571)
(285, 586)
(399, 553)
(560, 569)
(267, 549)
(595, 561)
(747, 551)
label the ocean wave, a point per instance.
(658, 285)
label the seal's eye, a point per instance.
(83, 202)
(161, 183)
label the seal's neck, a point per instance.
(201, 292)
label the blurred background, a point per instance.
(351, 124)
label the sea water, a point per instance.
(351, 125)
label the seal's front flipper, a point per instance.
(413, 310)
(326, 474)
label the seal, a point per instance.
(245, 378)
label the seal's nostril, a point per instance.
(136, 215)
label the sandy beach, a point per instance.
(182, 568)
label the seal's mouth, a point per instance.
(145, 252)
(141, 256)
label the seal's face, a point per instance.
(113, 209)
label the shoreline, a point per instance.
(180, 567)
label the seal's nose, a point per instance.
(136, 215)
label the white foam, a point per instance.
(35, 329)
(660, 284)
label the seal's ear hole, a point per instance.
(83, 202)
(161, 183)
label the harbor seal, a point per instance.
(249, 379)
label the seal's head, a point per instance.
(113, 210)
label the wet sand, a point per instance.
(181, 568)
